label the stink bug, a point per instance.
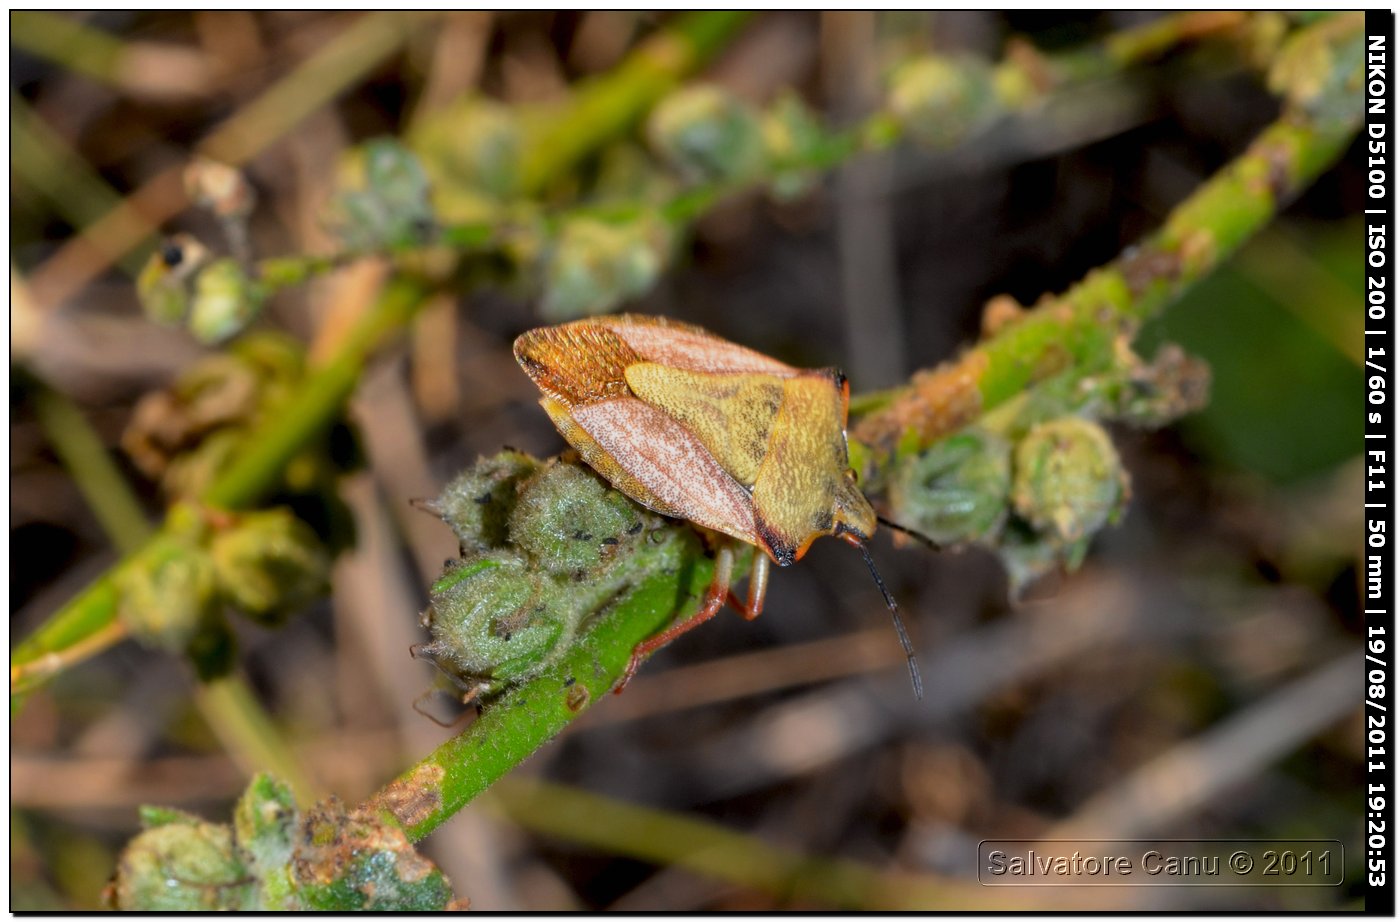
(697, 428)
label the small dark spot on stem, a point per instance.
(635, 529)
(415, 798)
(569, 681)
(1280, 172)
(1145, 266)
(576, 698)
(172, 255)
(484, 499)
(611, 542)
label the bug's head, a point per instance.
(851, 513)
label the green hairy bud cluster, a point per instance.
(545, 548)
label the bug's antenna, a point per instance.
(923, 539)
(898, 622)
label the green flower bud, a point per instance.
(707, 135)
(471, 151)
(941, 100)
(1068, 479)
(269, 565)
(958, 490)
(168, 594)
(569, 522)
(791, 133)
(181, 864)
(383, 198)
(593, 266)
(163, 285)
(492, 623)
(226, 300)
(358, 860)
(476, 504)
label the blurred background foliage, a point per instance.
(1182, 684)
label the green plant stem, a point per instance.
(93, 471)
(314, 406)
(606, 106)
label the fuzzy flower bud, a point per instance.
(569, 523)
(593, 266)
(941, 100)
(383, 198)
(226, 300)
(491, 622)
(180, 863)
(168, 595)
(357, 860)
(269, 565)
(707, 135)
(471, 152)
(790, 133)
(274, 858)
(1068, 480)
(220, 188)
(958, 490)
(476, 504)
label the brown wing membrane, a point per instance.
(576, 363)
(669, 462)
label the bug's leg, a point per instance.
(752, 607)
(709, 607)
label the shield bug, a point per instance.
(698, 428)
